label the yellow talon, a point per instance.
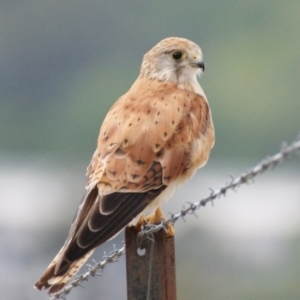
(156, 218)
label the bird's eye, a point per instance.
(177, 55)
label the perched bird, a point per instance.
(152, 139)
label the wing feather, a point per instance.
(98, 228)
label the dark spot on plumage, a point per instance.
(129, 125)
(154, 104)
(178, 109)
(113, 173)
(174, 97)
(106, 138)
(140, 162)
(160, 153)
(158, 113)
(157, 145)
(156, 122)
(165, 134)
(173, 122)
(125, 141)
(162, 98)
(104, 133)
(149, 110)
(134, 176)
(139, 119)
(166, 104)
(119, 152)
(167, 178)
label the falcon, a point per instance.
(153, 139)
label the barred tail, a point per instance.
(56, 281)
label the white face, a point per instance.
(174, 60)
(179, 66)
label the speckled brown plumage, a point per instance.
(152, 139)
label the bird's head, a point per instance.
(175, 60)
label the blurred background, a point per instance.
(63, 64)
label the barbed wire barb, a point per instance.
(270, 162)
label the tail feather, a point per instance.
(55, 282)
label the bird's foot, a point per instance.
(156, 218)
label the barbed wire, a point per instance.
(95, 270)
(269, 162)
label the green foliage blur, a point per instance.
(63, 64)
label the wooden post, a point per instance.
(150, 276)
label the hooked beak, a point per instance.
(199, 64)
